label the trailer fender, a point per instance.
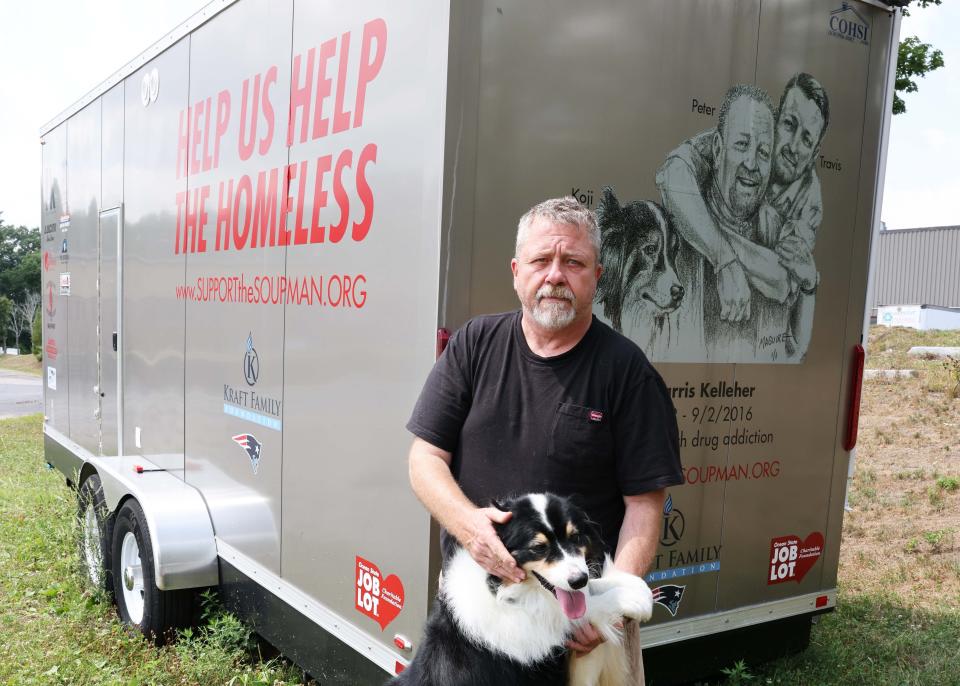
(181, 532)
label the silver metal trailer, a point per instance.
(257, 232)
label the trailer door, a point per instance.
(109, 331)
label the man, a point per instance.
(748, 249)
(547, 399)
(802, 121)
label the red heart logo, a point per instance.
(790, 558)
(378, 598)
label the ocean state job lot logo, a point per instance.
(846, 23)
(248, 404)
(791, 558)
(379, 598)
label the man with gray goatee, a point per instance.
(547, 399)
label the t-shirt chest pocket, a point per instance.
(581, 436)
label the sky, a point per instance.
(55, 51)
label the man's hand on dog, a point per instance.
(734, 291)
(585, 638)
(483, 544)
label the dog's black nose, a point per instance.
(578, 581)
(676, 292)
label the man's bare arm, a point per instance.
(436, 488)
(639, 535)
(640, 532)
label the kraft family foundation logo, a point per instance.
(674, 524)
(848, 24)
(248, 404)
(251, 362)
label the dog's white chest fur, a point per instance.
(526, 623)
(520, 622)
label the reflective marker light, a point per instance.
(443, 337)
(821, 601)
(853, 415)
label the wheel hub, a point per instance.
(133, 586)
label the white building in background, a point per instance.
(916, 278)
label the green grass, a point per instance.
(887, 347)
(55, 631)
(874, 639)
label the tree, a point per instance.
(21, 318)
(20, 270)
(15, 243)
(914, 58)
(6, 308)
(36, 337)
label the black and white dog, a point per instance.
(485, 631)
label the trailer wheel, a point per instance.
(139, 602)
(96, 533)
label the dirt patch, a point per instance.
(903, 534)
(21, 363)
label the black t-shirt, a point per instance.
(596, 422)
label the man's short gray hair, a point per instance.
(743, 90)
(567, 210)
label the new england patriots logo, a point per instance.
(249, 443)
(669, 596)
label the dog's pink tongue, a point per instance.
(574, 603)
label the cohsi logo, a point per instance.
(848, 24)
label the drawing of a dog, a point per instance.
(638, 287)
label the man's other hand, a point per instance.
(481, 541)
(585, 638)
(734, 291)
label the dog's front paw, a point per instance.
(636, 601)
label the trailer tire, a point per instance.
(96, 534)
(140, 603)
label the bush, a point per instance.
(37, 337)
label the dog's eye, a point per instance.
(538, 548)
(650, 250)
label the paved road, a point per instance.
(20, 394)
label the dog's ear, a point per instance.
(608, 210)
(596, 550)
(610, 286)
